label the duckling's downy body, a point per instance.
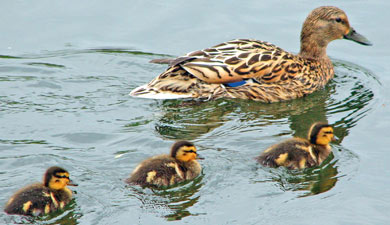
(257, 70)
(166, 170)
(42, 198)
(299, 153)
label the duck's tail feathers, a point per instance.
(146, 92)
(162, 61)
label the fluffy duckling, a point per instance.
(39, 199)
(256, 70)
(166, 170)
(299, 153)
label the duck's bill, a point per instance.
(355, 36)
(71, 183)
(199, 157)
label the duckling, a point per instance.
(167, 170)
(42, 198)
(256, 70)
(299, 153)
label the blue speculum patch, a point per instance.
(235, 84)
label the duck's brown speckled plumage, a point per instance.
(39, 198)
(166, 170)
(271, 74)
(299, 153)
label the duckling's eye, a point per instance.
(57, 181)
(190, 151)
(338, 20)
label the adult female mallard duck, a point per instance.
(166, 170)
(38, 199)
(299, 153)
(256, 70)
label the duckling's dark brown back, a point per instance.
(289, 153)
(154, 171)
(25, 201)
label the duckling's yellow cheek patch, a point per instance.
(187, 157)
(26, 206)
(281, 159)
(150, 176)
(186, 153)
(325, 136)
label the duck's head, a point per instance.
(323, 25)
(184, 151)
(321, 134)
(57, 178)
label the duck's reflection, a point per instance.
(310, 181)
(173, 202)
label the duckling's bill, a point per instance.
(334, 138)
(71, 183)
(199, 157)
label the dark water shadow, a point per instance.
(172, 203)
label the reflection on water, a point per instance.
(350, 106)
(175, 201)
(311, 181)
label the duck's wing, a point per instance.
(199, 74)
(239, 59)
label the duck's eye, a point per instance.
(338, 20)
(57, 180)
